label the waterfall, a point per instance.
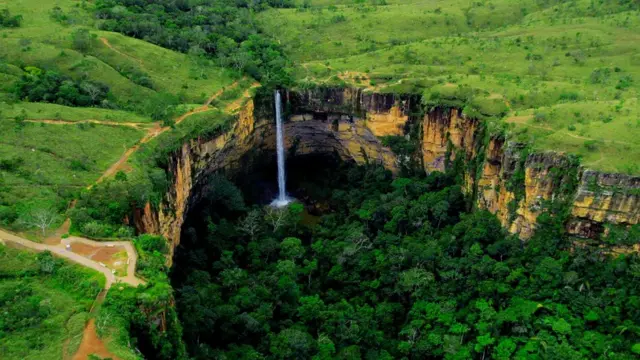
(282, 198)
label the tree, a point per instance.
(276, 217)
(291, 248)
(311, 308)
(251, 223)
(93, 91)
(292, 343)
(82, 40)
(8, 20)
(415, 279)
(151, 243)
(41, 217)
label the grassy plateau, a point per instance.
(566, 72)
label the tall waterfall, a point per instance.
(282, 198)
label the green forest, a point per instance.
(397, 269)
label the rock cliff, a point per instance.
(506, 178)
(604, 198)
(345, 122)
(514, 183)
(444, 130)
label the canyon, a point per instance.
(508, 179)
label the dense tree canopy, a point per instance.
(40, 85)
(396, 269)
(222, 29)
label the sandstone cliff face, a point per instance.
(383, 114)
(545, 173)
(500, 162)
(442, 128)
(600, 198)
(514, 185)
(316, 122)
(604, 198)
(510, 183)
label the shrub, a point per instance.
(569, 96)
(9, 21)
(47, 262)
(12, 164)
(591, 145)
(124, 232)
(96, 229)
(338, 19)
(82, 40)
(8, 215)
(540, 117)
(600, 76)
(624, 82)
(153, 243)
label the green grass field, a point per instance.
(47, 165)
(43, 313)
(577, 63)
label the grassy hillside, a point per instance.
(44, 304)
(46, 165)
(45, 111)
(43, 40)
(567, 72)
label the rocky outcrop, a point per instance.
(500, 163)
(604, 198)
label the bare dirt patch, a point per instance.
(83, 249)
(91, 344)
(105, 255)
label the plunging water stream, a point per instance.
(282, 199)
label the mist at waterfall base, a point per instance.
(282, 199)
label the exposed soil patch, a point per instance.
(54, 239)
(91, 344)
(83, 249)
(105, 255)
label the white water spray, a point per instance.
(282, 199)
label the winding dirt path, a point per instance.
(237, 103)
(115, 167)
(156, 130)
(90, 121)
(106, 42)
(91, 343)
